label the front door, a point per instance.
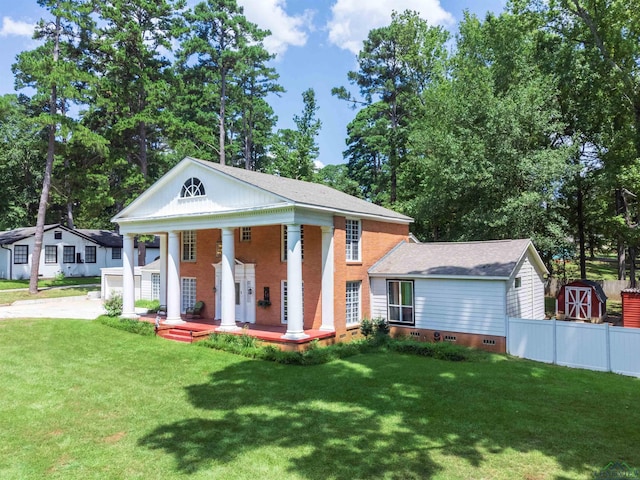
(578, 302)
(245, 279)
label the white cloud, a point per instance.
(17, 28)
(286, 30)
(351, 20)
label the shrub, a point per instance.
(380, 326)
(113, 305)
(441, 351)
(128, 325)
(366, 328)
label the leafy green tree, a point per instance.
(55, 71)
(294, 151)
(396, 64)
(220, 50)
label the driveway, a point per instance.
(64, 307)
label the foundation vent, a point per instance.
(414, 334)
(450, 338)
(486, 341)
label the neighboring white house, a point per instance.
(461, 292)
(74, 253)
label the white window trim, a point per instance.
(183, 243)
(359, 305)
(346, 242)
(400, 306)
(192, 298)
(245, 234)
(155, 286)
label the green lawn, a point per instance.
(10, 297)
(49, 282)
(82, 400)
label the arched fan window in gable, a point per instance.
(192, 188)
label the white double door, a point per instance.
(245, 292)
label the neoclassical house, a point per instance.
(259, 249)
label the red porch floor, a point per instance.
(195, 329)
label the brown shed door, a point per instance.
(578, 302)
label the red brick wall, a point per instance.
(376, 240)
(264, 250)
(490, 343)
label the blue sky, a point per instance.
(315, 42)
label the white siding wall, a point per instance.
(464, 306)
(112, 284)
(528, 300)
(5, 266)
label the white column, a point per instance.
(173, 279)
(327, 280)
(163, 269)
(228, 283)
(128, 282)
(295, 316)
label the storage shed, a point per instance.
(630, 307)
(461, 292)
(581, 300)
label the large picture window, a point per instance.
(21, 254)
(352, 230)
(400, 301)
(189, 246)
(353, 303)
(50, 254)
(69, 254)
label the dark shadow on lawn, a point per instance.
(372, 416)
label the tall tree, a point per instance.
(54, 72)
(295, 151)
(219, 47)
(396, 64)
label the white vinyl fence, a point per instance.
(580, 345)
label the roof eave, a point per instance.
(426, 276)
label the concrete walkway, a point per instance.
(83, 307)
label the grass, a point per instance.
(49, 282)
(10, 297)
(82, 400)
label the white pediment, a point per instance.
(222, 194)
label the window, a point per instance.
(189, 246)
(283, 247)
(69, 254)
(518, 282)
(90, 254)
(285, 313)
(188, 293)
(245, 234)
(155, 286)
(400, 301)
(353, 303)
(57, 235)
(116, 253)
(21, 254)
(192, 188)
(352, 230)
(50, 254)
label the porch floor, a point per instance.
(202, 327)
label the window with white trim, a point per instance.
(50, 254)
(517, 282)
(188, 293)
(400, 301)
(155, 286)
(192, 188)
(189, 246)
(352, 240)
(245, 234)
(284, 318)
(283, 243)
(21, 254)
(353, 303)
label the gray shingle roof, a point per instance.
(496, 258)
(13, 236)
(307, 193)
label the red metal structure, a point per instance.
(631, 307)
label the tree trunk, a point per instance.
(142, 143)
(46, 182)
(621, 247)
(70, 222)
(221, 129)
(583, 259)
(632, 266)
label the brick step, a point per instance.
(182, 335)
